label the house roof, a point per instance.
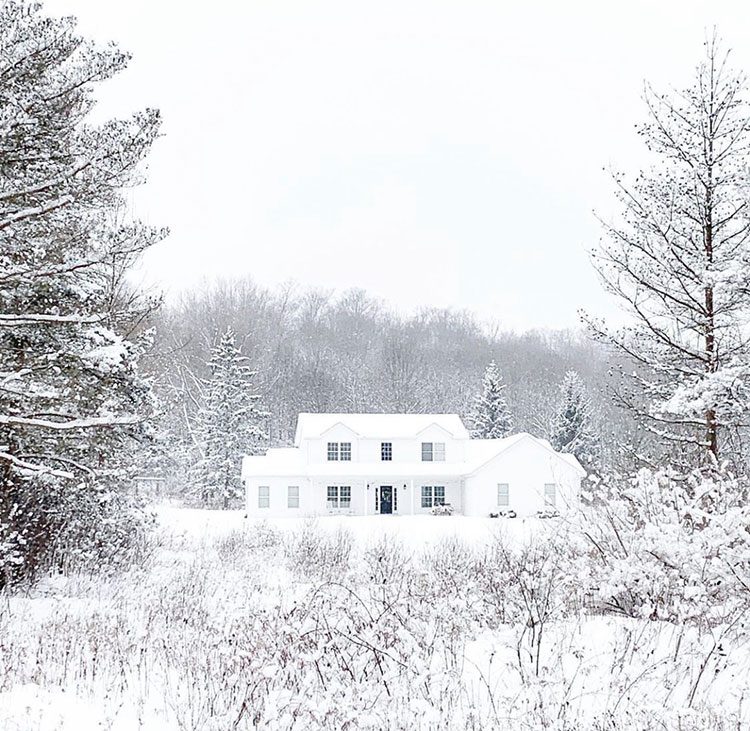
(377, 426)
(481, 451)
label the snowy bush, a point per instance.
(445, 509)
(547, 513)
(212, 633)
(313, 553)
(672, 547)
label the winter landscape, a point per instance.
(318, 416)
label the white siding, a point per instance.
(368, 450)
(526, 467)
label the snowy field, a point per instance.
(415, 622)
(415, 531)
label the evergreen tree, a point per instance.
(490, 417)
(572, 427)
(72, 401)
(230, 424)
(679, 260)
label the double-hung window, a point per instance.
(292, 497)
(550, 495)
(339, 451)
(386, 451)
(264, 496)
(433, 495)
(433, 451)
(339, 497)
(503, 495)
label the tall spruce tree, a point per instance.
(572, 431)
(72, 401)
(490, 416)
(679, 260)
(230, 424)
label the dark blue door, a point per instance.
(386, 499)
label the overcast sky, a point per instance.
(445, 153)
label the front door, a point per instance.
(386, 499)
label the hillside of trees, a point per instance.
(346, 351)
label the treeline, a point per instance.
(314, 350)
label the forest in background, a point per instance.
(327, 351)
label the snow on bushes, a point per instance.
(671, 547)
(218, 632)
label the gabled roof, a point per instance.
(481, 451)
(378, 426)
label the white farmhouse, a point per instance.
(363, 464)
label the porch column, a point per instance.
(411, 495)
(367, 496)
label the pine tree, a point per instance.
(572, 427)
(490, 417)
(230, 424)
(679, 260)
(72, 402)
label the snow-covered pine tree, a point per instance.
(230, 424)
(71, 397)
(571, 431)
(679, 259)
(490, 417)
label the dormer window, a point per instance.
(339, 451)
(386, 451)
(433, 451)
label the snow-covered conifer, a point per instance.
(71, 397)
(229, 423)
(490, 417)
(572, 426)
(679, 259)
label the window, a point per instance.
(339, 497)
(433, 451)
(386, 451)
(550, 495)
(292, 497)
(339, 451)
(264, 497)
(503, 495)
(433, 495)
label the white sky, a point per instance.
(434, 153)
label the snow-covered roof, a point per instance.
(376, 426)
(279, 462)
(480, 451)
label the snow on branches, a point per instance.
(229, 424)
(670, 547)
(679, 259)
(71, 396)
(571, 431)
(490, 417)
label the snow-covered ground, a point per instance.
(416, 531)
(350, 623)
